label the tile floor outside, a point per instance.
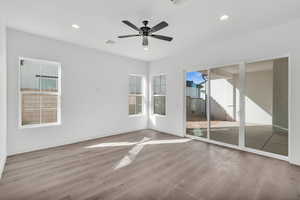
(262, 137)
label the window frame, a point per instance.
(137, 95)
(158, 95)
(58, 93)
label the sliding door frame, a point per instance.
(242, 76)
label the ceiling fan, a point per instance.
(146, 32)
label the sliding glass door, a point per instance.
(244, 105)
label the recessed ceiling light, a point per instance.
(75, 26)
(224, 17)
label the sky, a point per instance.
(194, 76)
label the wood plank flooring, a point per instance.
(129, 167)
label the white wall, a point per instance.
(94, 93)
(3, 97)
(275, 41)
(224, 99)
(259, 97)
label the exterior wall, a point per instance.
(259, 97)
(257, 45)
(94, 93)
(224, 100)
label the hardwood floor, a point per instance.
(147, 165)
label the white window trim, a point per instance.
(158, 95)
(142, 95)
(20, 126)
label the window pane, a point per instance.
(30, 117)
(48, 101)
(49, 77)
(163, 105)
(196, 103)
(139, 103)
(139, 85)
(156, 85)
(49, 115)
(29, 75)
(224, 104)
(49, 85)
(132, 84)
(30, 109)
(132, 103)
(49, 108)
(160, 105)
(31, 101)
(163, 84)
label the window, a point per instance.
(136, 95)
(159, 94)
(39, 93)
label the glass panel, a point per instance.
(49, 77)
(49, 101)
(49, 108)
(30, 117)
(48, 85)
(139, 104)
(160, 105)
(157, 105)
(30, 72)
(163, 84)
(30, 109)
(196, 103)
(224, 104)
(132, 105)
(266, 106)
(163, 105)
(139, 89)
(156, 85)
(49, 115)
(132, 84)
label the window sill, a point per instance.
(137, 115)
(39, 125)
(158, 115)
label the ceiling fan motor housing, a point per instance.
(145, 31)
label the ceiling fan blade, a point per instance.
(127, 36)
(128, 23)
(145, 41)
(159, 26)
(162, 37)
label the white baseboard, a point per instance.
(77, 140)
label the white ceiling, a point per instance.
(191, 22)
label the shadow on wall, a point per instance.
(258, 96)
(219, 113)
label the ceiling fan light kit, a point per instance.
(145, 32)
